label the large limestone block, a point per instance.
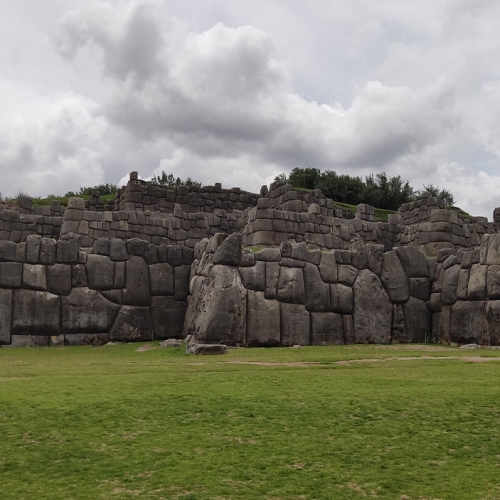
(11, 274)
(463, 284)
(48, 248)
(291, 285)
(136, 292)
(374, 257)
(317, 292)
(181, 282)
(229, 251)
(68, 248)
(7, 251)
(490, 249)
(394, 278)
(30, 341)
(100, 272)
(272, 276)
(417, 318)
(326, 329)
(87, 311)
(466, 323)
(477, 289)
(443, 323)
(168, 317)
(35, 313)
(161, 278)
(493, 282)
(117, 250)
(420, 288)
(414, 262)
(34, 277)
(328, 267)
(372, 309)
(218, 312)
(491, 334)
(59, 279)
(341, 298)
(398, 333)
(133, 323)
(450, 285)
(33, 242)
(254, 278)
(346, 274)
(6, 315)
(295, 325)
(263, 321)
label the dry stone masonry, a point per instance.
(278, 268)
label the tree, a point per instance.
(304, 177)
(169, 180)
(437, 192)
(281, 179)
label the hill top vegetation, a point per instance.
(380, 190)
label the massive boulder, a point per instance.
(372, 310)
(263, 321)
(217, 313)
(394, 278)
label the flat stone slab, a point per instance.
(206, 349)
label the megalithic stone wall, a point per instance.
(57, 293)
(292, 295)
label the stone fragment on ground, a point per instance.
(206, 348)
(171, 343)
(144, 348)
(470, 346)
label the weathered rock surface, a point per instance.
(263, 321)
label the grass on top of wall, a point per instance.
(310, 423)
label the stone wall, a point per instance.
(55, 293)
(16, 226)
(141, 196)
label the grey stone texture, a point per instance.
(295, 325)
(263, 321)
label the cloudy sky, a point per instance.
(238, 91)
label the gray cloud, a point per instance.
(239, 92)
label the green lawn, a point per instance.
(109, 422)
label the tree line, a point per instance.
(380, 190)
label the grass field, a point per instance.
(353, 422)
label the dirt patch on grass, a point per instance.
(307, 364)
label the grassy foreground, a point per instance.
(110, 422)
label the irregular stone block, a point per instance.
(181, 281)
(291, 285)
(79, 276)
(74, 339)
(68, 248)
(394, 278)
(477, 289)
(463, 284)
(374, 256)
(117, 250)
(7, 251)
(206, 349)
(295, 327)
(326, 329)
(450, 284)
(491, 333)
(218, 312)
(341, 298)
(254, 278)
(47, 251)
(133, 323)
(87, 311)
(59, 279)
(137, 290)
(30, 341)
(33, 243)
(100, 272)
(35, 313)
(136, 247)
(102, 246)
(398, 331)
(328, 267)
(372, 310)
(443, 325)
(168, 317)
(174, 255)
(6, 315)
(11, 274)
(417, 318)
(263, 321)
(34, 277)
(317, 292)
(467, 319)
(229, 251)
(161, 278)
(414, 262)
(493, 282)
(420, 288)
(272, 276)
(268, 255)
(347, 274)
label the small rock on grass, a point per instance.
(171, 343)
(470, 346)
(206, 348)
